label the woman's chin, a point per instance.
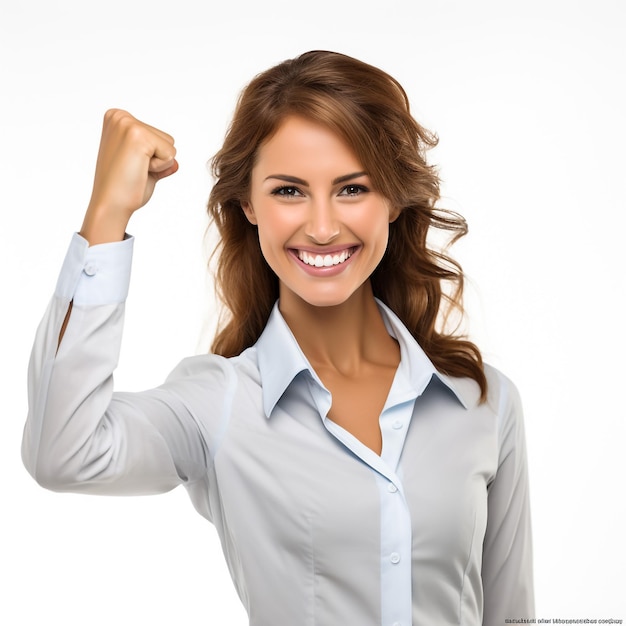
(317, 298)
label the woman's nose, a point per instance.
(322, 226)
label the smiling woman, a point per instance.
(383, 464)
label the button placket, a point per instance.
(395, 518)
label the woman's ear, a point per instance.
(394, 213)
(249, 212)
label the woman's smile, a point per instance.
(324, 262)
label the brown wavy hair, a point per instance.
(370, 110)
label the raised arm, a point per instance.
(79, 435)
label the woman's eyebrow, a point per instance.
(288, 179)
(299, 181)
(343, 179)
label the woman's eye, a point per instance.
(353, 190)
(286, 192)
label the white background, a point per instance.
(528, 101)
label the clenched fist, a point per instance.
(132, 158)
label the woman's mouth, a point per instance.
(325, 264)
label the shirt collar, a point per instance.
(281, 359)
(418, 368)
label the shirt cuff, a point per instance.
(96, 275)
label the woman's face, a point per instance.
(323, 229)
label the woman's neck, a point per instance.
(344, 337)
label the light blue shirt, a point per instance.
(316, 528)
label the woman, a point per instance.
(361, 464)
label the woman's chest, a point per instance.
(302, 486)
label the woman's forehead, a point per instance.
(304, 144)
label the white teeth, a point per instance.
(317, 260)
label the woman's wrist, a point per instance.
(101, 227)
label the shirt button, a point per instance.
(394, 557)
(396, 624)
(397, 425)
(391, 488)
(90, 269)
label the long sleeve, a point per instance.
(80, 435)
(507, 553)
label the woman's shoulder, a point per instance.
(504, 401)
(216, 368)
(502, 392)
